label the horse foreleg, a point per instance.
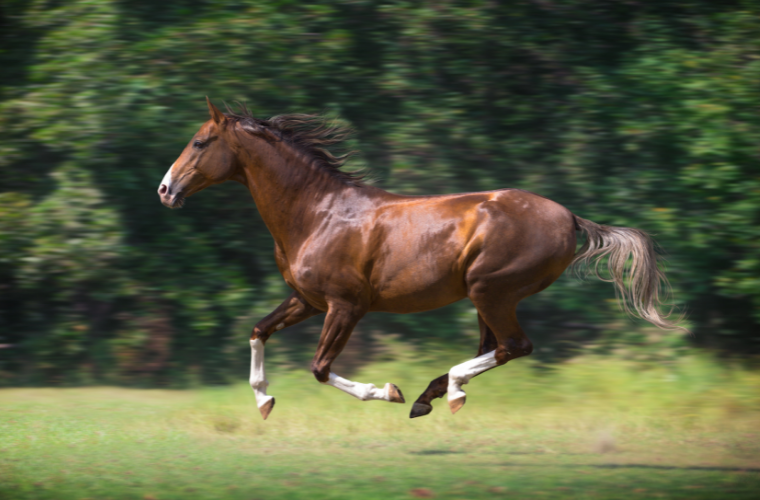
(439, 387)
(293, 310)
(258, 379)
(339, 324)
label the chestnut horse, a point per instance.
(347, 248)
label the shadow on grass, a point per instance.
(713, 468)
(435, 452)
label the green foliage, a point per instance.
(636, 115)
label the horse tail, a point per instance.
(621, 245)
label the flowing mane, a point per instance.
(312, 135)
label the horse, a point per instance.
(347, 248)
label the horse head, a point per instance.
(206, 160)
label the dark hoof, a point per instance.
(394, 393)
(457, 404)
(420, 410)
(266, 408)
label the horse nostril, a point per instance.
(163, 189)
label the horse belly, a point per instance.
(418, 287)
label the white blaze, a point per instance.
(167, 180)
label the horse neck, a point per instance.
(288, 190)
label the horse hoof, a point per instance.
(394, 393)
(266, 408)
(457, 403)
(420, 410)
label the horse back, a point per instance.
(423, 250)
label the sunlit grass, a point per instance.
(591, 428)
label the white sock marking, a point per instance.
(462, 373)
(258, 377)
(365, 392)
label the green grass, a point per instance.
(596, 428)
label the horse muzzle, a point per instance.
(170, 199)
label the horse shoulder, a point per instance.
(283, 265)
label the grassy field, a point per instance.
(593, 428)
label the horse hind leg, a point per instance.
(511, 343)
(439, 387)
(436, 389)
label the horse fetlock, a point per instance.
(455, 391)
(258, 383)
(366, 391)
(459, 375)
(456, 397)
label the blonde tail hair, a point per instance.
(641, 296)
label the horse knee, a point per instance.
(321, 372)
(515, 348)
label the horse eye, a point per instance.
(198, 145)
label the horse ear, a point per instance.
(216, 115)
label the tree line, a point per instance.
(639, 114)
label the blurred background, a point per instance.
(640, 114)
